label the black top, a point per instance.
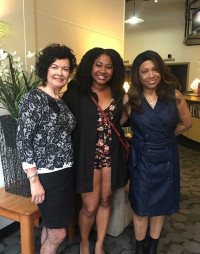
(84, 140)
(44, 128)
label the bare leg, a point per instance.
(54, 237)
(103, 212)
(87, 215)
(156, 224)
(140, 226)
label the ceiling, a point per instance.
(152, 2)
(133, 0)
(155, 14)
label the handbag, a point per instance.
(126, 144)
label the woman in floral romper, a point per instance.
(102, 152)
(100, 158)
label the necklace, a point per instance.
(151, 104)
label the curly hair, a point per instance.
(164, 90)
(49, 55)
(83, 74)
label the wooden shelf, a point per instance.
(192, 97)
(193, 133)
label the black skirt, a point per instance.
(58, 207)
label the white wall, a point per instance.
(161, 31)
(80, 24)
(21, 36)
(3, 111)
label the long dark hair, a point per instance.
(83, 74)
(164, 90)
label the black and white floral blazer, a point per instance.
(44, 132)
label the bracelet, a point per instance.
(32, 175)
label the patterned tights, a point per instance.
(51, 240)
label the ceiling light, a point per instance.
(134, 19)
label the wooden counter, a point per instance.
(193, 102)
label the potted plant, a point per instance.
(15, 81)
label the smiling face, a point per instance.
(102, 71)
(149, 75)
(58, 73)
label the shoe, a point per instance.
(152, 246)
(140, 247)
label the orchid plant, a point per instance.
(15, 81)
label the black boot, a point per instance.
(152, 246)
(140, 247)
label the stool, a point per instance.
(22, 210)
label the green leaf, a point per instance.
(14, 86)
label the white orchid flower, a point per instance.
(4, 73)
(3, 65)
(20, 74)
(17, 59)
(32, 68)
(10, 61)
(3, 54)
(18, 65)
(30, 54)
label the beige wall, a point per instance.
(162, 31)
(21, 36)
(80, 24)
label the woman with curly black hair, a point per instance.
(100, 158)
(45, 146)
(158, 113)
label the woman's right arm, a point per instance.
(126, 111)
(28, 118)
(37, 190)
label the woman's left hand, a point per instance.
(37, 191)
(183, 113)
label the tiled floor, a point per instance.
(181, 231)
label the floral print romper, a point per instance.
(102, 151)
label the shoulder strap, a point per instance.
(112, 125)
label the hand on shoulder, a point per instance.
(179, 96)
(125, 98)
(126, 111)
(183, 113)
